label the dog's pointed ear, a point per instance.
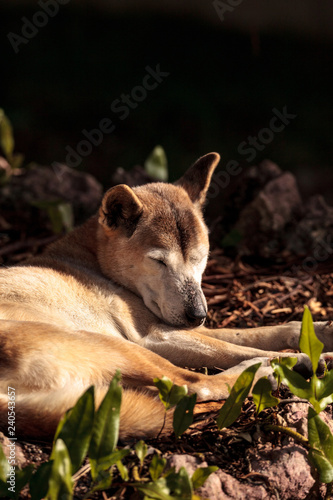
(120, 207)
(196, 179)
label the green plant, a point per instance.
(7, 144)
(318, 391)
(176, 395)
(156, 165)
(59, 212)
(239, 392)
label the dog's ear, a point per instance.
(197, 178)
(120, 207)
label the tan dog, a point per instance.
(123, 291)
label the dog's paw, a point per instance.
(304, 365)
(265, 370)
(327, 361)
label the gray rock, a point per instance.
(219, 485)
(263, 221)
(263, 211)
(38, 183)
(286, 468)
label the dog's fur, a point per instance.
(123, 291)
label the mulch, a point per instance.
(243, 295)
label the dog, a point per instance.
(123, 291)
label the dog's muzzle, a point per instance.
(195, 307)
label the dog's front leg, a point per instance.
(275, 337)
(193, 349)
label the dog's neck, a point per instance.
(78, 247)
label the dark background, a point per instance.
(224, 82)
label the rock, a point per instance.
(263, 212)
(263, 221)
(219, 485)
(263, 173)
(134, 177)
(39, 183)
(314, 232)
(296, 416)
(286, 468)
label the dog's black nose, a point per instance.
(196, 316)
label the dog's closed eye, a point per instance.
(159, 261)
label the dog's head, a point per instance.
(153, 241)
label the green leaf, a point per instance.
(322, 392)
(75, 428)
(4, 465)
(107, 462)
(321, 442)
(61, 217)
(287, 361)
(22, 477)
(157, 489)
(116, 456)
(156, 165)
(66, 213)
(296, 383)
(141, 450)
(39, 483)
(106, 426)
(179, 484)
(122, 470)
(102, 472)
(59, 212)
(201, 474)
(262, 395)
(6, 136)
(156, 467)
(4, 491)
(308, 342)
(183, 415)
(233, 405)
(325, 388)
(60, 481)
(103, 481)
(170, 394)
